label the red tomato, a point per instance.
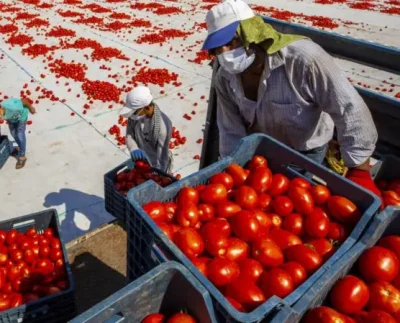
(264, 220)
(222, 271)
(343, 210)
(246, 293)
(300, 182)
(31, 232)
(322, 246)
(13, 273)
(260, 179)
(213, 194)
(316, 224)
(267, 252)
(226, 209)
(264, 201)
(393, 185)
(377, 316)
(250, 270)
(201, 263)
(215, 243)
(189, 242)
(3, 255)
(43, 241)
(296, 272)
(55, 243)
(3, 236)
(44, 251)
(383, 296)
(294, 224)
(44, 267)
(238, 250)
(392, 243)
(221, 226)
(222, 178)
(282, 205)
(206, 212)
(187, 195)
(275, 219)
(257, 161)
(181, 318)
(302, 200)
(20, 284)
(284, 239)
(156, 211)
(187, 215)
(4, 304)
(29, 256)
(246, 197)
(49, 233)
(246, 226)
(3, 278)
(16, 255)
(54, 254)
(337, 232)
(320, 194)
(349, 295)
(276, 282)
(323, 314)
(235, 304)
(170, 208)
(378, 264)
(280, 184)
(305, 256)
(11, 236)
(238, 174)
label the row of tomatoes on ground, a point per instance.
(371, 294)
(31, 266)
(176, 318)
(142, 172)
(254, 234)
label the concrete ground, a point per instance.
(70, 147)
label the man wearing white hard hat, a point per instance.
(285, 86)
(148, 131)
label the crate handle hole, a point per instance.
(117, 318)
(23, 224)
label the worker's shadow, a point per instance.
(84, 212)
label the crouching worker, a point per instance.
(148, 131)
(15, 111)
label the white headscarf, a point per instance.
(138, 98)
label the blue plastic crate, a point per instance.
(280, 158)
(168, 289)
(54, 308)
(4, 150)
(115, 202)
(385, 223)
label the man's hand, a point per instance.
(139, 154)
(32, 110)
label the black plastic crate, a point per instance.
(54, 308)
(168, 289)
(115, 202)
(150, 245)
(4, 150)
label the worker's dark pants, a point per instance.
(316, 154)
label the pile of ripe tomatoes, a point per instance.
(31, 266)
(161, 318)
(142, 172)
(390, 192)
(371, 293)
(255, 234)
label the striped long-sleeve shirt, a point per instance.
(302, 96)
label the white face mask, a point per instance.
(236, 60)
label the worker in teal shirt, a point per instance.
(15, 111)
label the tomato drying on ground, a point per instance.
(255, 234)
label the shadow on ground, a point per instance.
(84, 212)
(94, 281)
